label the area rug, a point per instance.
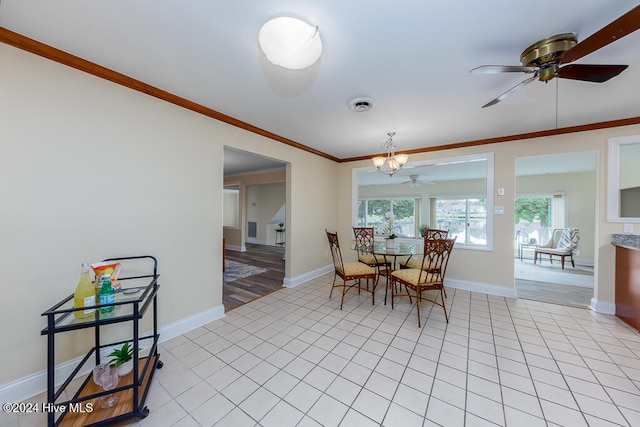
(237, 270)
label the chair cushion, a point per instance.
(413, 262)
(563, 251)
(357, 269)
(412, 275)
(371, 259)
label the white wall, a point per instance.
(263, 202)
(90, 169)
(236, 238)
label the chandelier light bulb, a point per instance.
(379, 161)
(402, 159)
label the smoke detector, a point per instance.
(361, 105)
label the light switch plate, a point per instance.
(500, 191)
(498, 210)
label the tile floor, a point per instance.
(293, 358)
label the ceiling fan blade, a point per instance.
(626, 24)
(493, 69)
(590, 73)
(510, 91)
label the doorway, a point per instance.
(555, 192)
(254, 264)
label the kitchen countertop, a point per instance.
(629, 241)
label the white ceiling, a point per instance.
(238, 162)
(413, 58)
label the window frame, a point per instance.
(487, 157)
(466, 199)
(416, 200)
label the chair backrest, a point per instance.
(334, 246)
(432, 233)
(364, 236)
(555, 237)
(436, 258)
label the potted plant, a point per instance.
(390, 230)
(122, 359)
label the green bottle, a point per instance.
(107, 295)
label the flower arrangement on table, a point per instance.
(389, 228)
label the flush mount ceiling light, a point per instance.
(390, 162)
(290, 42)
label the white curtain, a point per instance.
(558, 210)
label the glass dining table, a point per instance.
(390, 255)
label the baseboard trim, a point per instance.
(298, 280)
(190, 323)
(484, 288)
(603, 307)
(255, 241)
(34, 384)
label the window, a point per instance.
(371, 213)
(537, 216)
(463, 186)
(231, 212)
(465, 218)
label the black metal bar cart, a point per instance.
(139, 293)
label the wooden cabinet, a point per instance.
(628, 285)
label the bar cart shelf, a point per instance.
(139, 295)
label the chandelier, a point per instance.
(390, 162)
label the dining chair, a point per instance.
(416, 262)
(349, 271)
(430, 275)
(364, 237)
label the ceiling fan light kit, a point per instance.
(548, 58)
(290, 43)
(543, 54)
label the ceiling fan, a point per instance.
(415, 181)
(546, 58)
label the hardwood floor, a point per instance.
(577, 296)
(549, 283)
(241, 291)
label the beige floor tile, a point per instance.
(400, 416)
(295, 358)
(282, 415)
(259, 403)
(195, 396)
(212, 411)
(444, 414)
